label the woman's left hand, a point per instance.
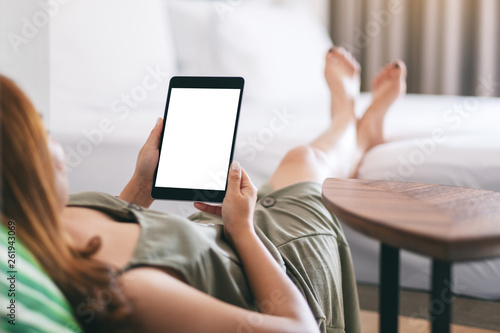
(138, 189)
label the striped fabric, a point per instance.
(39, 304)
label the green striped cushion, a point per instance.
(39, 304)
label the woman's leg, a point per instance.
(338, 151)
(389, 84)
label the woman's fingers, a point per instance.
(238, 181)
(214, 210)
(245, 180)
(247, 187)
(234, 179)
(154, 137)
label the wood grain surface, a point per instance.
(445, 222)
(370, 320)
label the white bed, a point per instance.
(110, 65)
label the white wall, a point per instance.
(322, 9)
(24, 45)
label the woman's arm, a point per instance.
(274, 292)
(138, 189)
(161, 303)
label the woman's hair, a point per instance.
(30, 198)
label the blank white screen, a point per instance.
(198, 136)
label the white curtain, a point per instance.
(450, 46)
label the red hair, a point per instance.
(30, 198)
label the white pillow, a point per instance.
(439, 139)
(278, 47)
(469, 160)
(102, 51)
(193, 31)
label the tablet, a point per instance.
(198, 138)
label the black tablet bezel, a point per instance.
(209, 82)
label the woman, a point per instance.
(267, 261)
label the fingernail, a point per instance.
(235, 166)
(158, 120)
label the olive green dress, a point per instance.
(300, 233)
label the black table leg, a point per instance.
(440, 306)
(389, 288)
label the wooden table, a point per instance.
(446, 223)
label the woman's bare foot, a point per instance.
(389, 84)
(342, 76)
(338, 142)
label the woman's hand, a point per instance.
(263, 273)
(148, 156)
(238, 206)
(138, 190)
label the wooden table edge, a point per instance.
(437, 247)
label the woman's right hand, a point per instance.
(238, 206)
